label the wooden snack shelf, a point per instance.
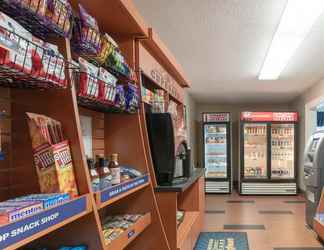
(130, 234)
(20, 233)
(110, 195)
(186, 226)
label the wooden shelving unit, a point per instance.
(112, 133)
(158, 69)
(115, 193)
(130, 234)
(124, 134)
(318, 224)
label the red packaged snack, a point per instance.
(107, 86)
(53, 65)
(88, 82)
(15, 50)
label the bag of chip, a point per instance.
(107, 86)
(88, 81)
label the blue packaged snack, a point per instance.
(81, 247)
(132, 98)
(131, 172)
(120, 100)
(48, 200)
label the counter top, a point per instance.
(197, 173)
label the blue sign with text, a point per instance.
(122, 188)
(20, 230)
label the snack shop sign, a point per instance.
(153, 69)
(15, 232)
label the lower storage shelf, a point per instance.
(319, 228)
(185, 228)
(130, 234)
(24, 231)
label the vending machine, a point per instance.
(217, 152)
(268, 153)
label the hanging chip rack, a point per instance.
(101, 56)
(25, 64)
(89, 98)
(40, 17)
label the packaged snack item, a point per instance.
(107, 86)
(132, 98)
(60, 12)
(15, 52)
(106, 49)
(81, 247)
(120, 101)
(52, 156)
(88, 82)
(89, 35)
(54, 64)
(51, 65)
(36, 6)
(47, 200)
(131, 172)
(11, 211)
(147, 96)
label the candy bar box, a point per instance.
(11, 211)
(52, 156)
(47, 200)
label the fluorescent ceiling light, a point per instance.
(296, 21)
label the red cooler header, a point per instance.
(269, 116)
(216, 117)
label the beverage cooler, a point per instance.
(268, 153)
(217, 152)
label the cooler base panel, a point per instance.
(269, 188)
(216, 187)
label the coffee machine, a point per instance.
(171, 157)
(314, 174)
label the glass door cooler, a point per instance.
(217, 152)
(268, 153)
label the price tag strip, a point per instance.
(15, 232)
(117, 190)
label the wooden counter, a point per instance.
(188, 197)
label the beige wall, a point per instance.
(235, 110)
(191, 125)
(303, 103)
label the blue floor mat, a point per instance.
(222, 241)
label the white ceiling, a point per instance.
(222, 44)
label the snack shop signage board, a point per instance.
(217, 117)
(269, 116)
(17, 231)
(152, 68)
(114, 191)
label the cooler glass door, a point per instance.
(215, 150)
(255, 150)
(282, 151)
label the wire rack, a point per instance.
(84, 44)
(41, 17)
(104, 97)
(25, 64)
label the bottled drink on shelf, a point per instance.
(94, 176)
(115, 170)
(104, 172)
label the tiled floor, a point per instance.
(284, 223)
